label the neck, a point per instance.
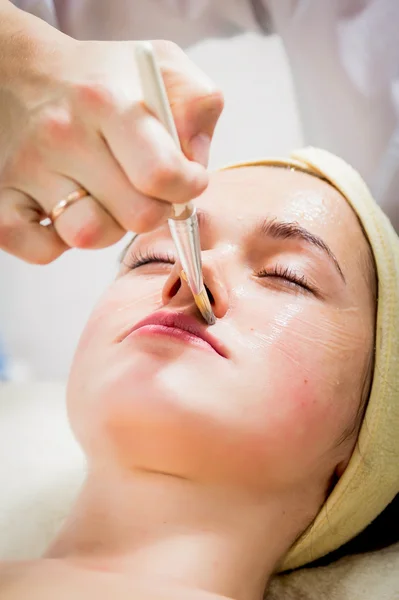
(160, 527)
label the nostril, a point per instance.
(175, 288)
(210, 296)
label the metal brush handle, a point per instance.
(184, 222)
(186, 239)
(156, 100)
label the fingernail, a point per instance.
(199, 148)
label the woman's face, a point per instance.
(269, 401)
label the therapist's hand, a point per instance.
(71, 118)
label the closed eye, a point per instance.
(289, 276)
(138, 259)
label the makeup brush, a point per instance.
(183, 223)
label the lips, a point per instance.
(159, 322)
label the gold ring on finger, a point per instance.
(63, 204)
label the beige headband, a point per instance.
(371, 479)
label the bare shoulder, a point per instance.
(57, 580)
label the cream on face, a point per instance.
(295, 314)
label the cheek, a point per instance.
(284, 433)
(301, 367)
(123, 304)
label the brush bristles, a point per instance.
(204, 306)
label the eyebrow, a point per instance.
(283, 230)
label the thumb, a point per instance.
(195, 101)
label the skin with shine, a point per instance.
(211, 449)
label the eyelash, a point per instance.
(278, 271)
(139, 259)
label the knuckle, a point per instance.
(151, 216)
(56, 127)
(203, 109)
(48, 254)
(9, 235)
(87, 235)
(94, 95)
(216, 102)
(12, 225)
(158, 176)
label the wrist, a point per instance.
(31, 50)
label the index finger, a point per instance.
(149, 157)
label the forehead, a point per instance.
(273, 191)
(238, 196)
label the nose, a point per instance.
(176, 292)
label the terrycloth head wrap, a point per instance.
(371, 479)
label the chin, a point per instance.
(168, 417)
(157, 378)
(147, 410)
